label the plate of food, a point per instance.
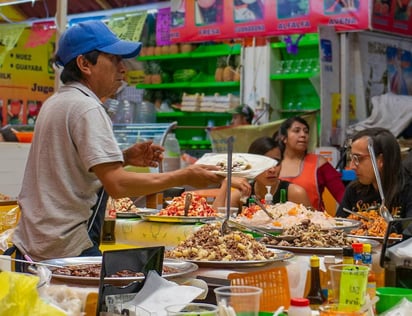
(198, 210)
(311, 238)
(244, 165)
(289, 214)
(374, 228)
(209, 248)
(86, 270)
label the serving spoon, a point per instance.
(225, 229)
(383, 210)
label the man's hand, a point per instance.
(144, 154)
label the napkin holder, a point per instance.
(137, 260)
(396, 257)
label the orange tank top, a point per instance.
(308, 180)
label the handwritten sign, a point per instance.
(353, 283)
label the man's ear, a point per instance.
(83, 64)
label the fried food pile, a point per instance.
(377, 227)
(208, 244)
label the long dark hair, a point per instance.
(393, 174)
(262, 145)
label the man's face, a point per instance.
(238, 119)
(360, 161)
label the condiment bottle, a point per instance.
(326, 278)
(367, 260)
(357, 253)
(282, 196)
(268, 196)
(347, 255)
(299, 307)
(315, 295)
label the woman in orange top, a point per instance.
(311, 171)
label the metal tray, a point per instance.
(380, 239)
(176, 219)
(137, 214)
(344, 224)
(181, 267)
(280, 256)
(322, 250)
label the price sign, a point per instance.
(353, 283)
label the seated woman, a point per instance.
(311, 171)
(362, 194)
(241, 189)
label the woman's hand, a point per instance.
(144, 154)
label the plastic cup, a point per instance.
(193, 309)
(238, 300)
(349, 284)
(390, 296)
(335, 310)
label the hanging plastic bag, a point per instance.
(19, 296)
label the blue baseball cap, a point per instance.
(92, 35)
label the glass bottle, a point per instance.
(315, 295)
(326, 280)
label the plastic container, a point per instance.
(390, 296)
(171, 160)
(145, 112)
(299, 307)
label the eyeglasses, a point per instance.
(356, 158)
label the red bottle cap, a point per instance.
(297, 301)
(357, 247)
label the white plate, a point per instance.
(258, 163)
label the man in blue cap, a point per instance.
(74, 158)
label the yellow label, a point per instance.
(352, 290)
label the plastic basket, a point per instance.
(273, 282)
(9, 215)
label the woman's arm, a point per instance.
(330, 178)
(297, 194)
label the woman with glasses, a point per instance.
(362, 194)
(265, 146)
(311, 171)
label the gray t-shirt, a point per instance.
(73, 133)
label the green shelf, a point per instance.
(293, 76)
(200, 52)
(186, 114)
(180, 85)
(307, 40)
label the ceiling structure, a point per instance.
(46, 9)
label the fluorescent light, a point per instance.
(4, 3)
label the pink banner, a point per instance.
(41, 33)
(205, 20)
